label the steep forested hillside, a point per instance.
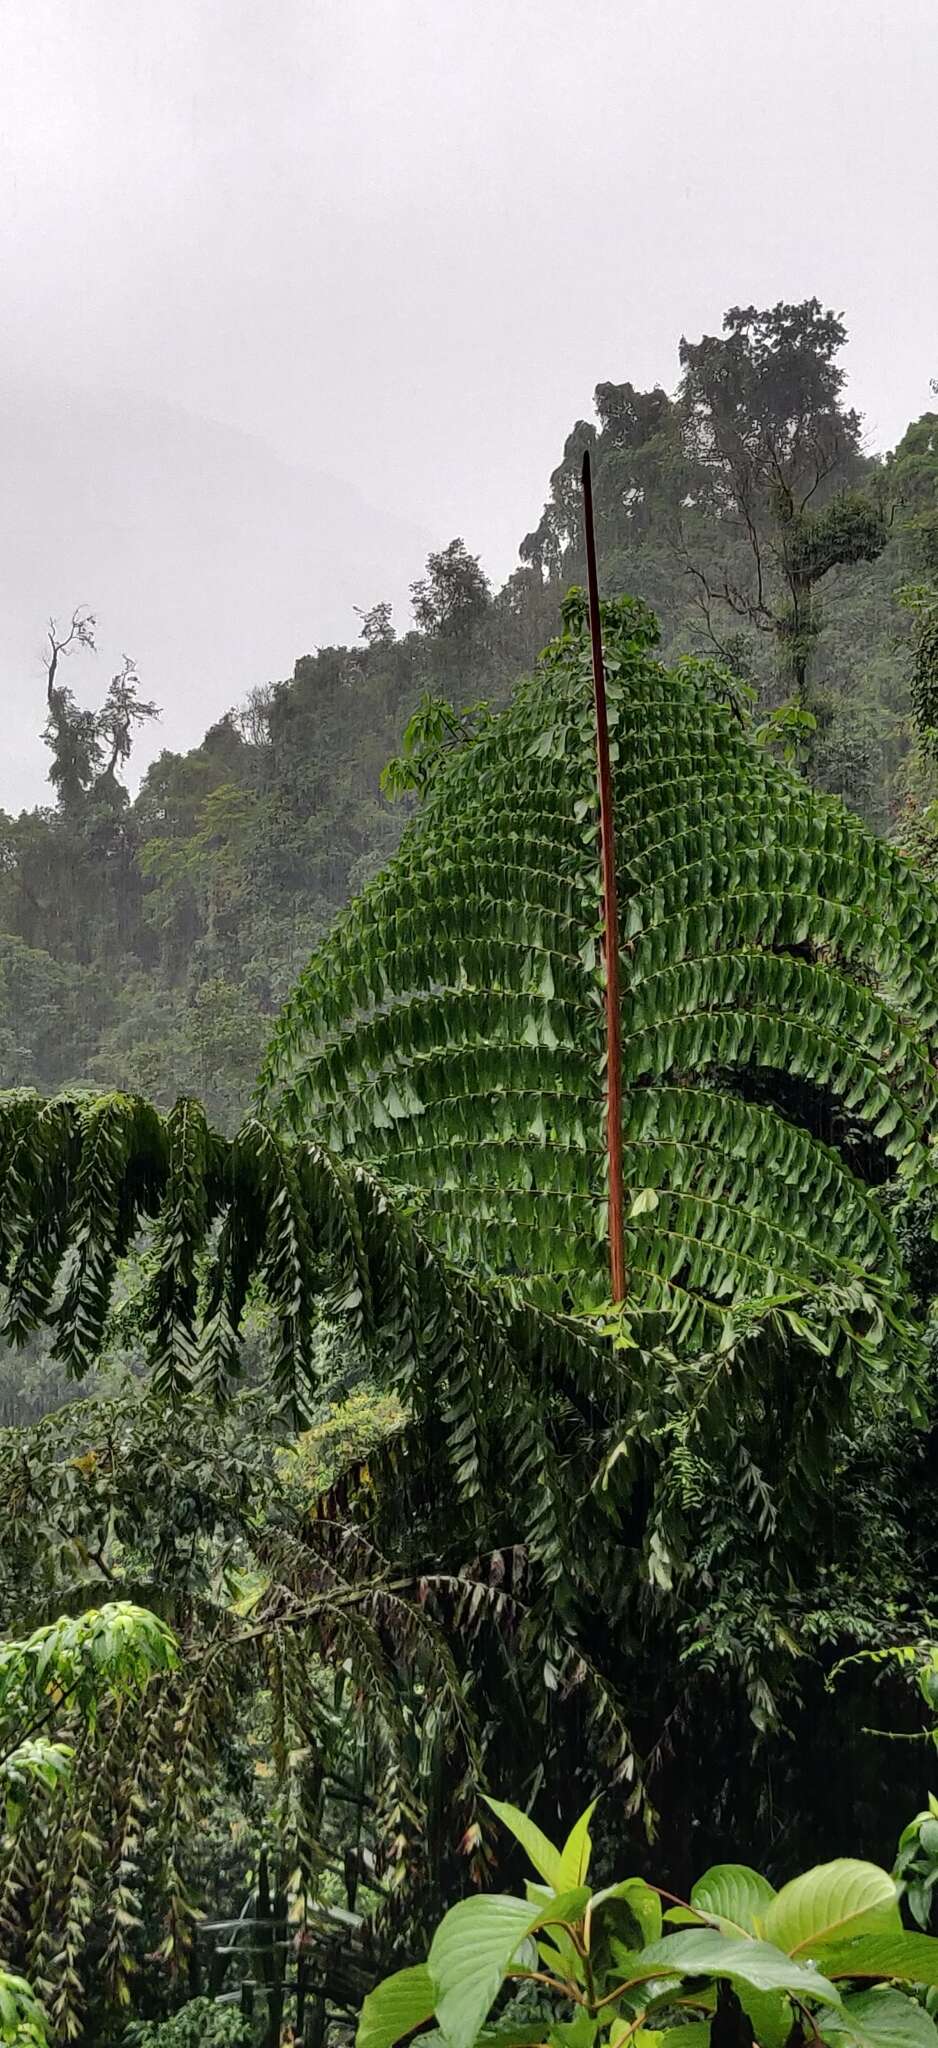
(147, 943)
(162, 516)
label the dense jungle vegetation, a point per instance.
(336, 1495)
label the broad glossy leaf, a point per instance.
(702, 1952)
(546, 1859)
(733, 1895)
(880, 2019)
(634, 1900)
(474, 1946)
(833, 1902)
(771, 2014)
(910, 1958)
(395, 2007)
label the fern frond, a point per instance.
(448, 1033)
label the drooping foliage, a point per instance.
(311, 1664)
(310, 1672)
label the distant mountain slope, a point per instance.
(204, 555)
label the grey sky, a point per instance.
(398, 242)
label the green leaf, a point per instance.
(702, 1952)
(732, 1895)
(880, 2019)
(22, 2021)
(395, 2007)
(501, 2034)
(546, 1859)
(575, 1855)
(580, 2032)
(911, 1958)
(834, 1901)
(696, 2035)
(632, 1900)
(511, 2034)
(473, 1948)
(770, 2014)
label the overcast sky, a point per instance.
(398, 242)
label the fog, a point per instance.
(294, 291)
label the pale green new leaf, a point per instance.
(732, 1895)
(395, 2007)
(473, 1948)
(575, 1855)
(35, 1761)
(547, 1860)
(22, 2021)
(833, 1902)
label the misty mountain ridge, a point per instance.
(203, 554)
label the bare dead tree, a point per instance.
(80, 633)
